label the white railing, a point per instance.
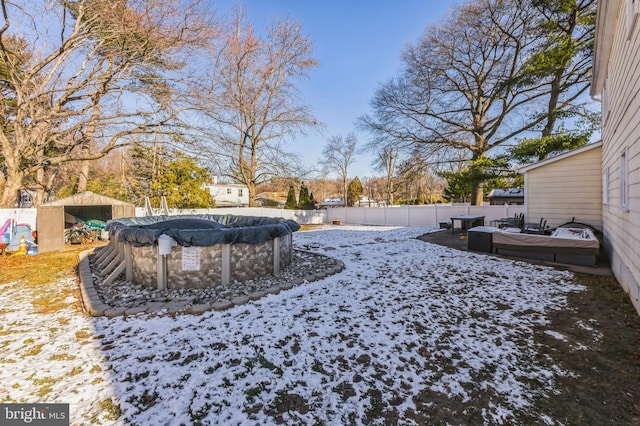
(427, 215)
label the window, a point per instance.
(624, 179)
(228, 191)
(239, 192)
(605, 186)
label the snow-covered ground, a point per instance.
(408, 332)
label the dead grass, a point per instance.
(43, 268)
(36, 273)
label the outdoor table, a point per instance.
(467, 221)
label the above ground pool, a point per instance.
(199, 251)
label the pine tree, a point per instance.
(291, 203)
(354, 191)
(305, 201)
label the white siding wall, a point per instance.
(621, 133)
(229, 194)
(562, 190)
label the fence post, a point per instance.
(435, 214)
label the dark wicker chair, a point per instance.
(535, 228)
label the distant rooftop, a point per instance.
(506, 193)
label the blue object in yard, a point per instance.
(32, 249)
(21, 230)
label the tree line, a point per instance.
(140, 99)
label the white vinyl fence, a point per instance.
(428, 215)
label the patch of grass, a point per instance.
(62, 357)
(172, 356)
(210, 369)
(110, 409)
(83, 334)
(75, 371)
(136, 377)
(192, 357)
(35, 350)
(317, 367)
(252, 393)
(45, 385)
(53, 300)
(95, 369)
(35, 273)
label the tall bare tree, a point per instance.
(337, 155)
(459, 87)
(81, 77)
(250, 103)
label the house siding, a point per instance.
(220, 194)
(562, 190)
(621, 134)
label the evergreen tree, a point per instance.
(354, 191)
(305, 201)
(291, 203)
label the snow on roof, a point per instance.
(506, 193)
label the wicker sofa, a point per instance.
(577, 246)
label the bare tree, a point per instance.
(459, 88)
(386, 161)
(249, 104)
(81, 77)
(337, 155)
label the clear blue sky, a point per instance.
(358, 45)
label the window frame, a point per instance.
(605, 187)
(624, 179)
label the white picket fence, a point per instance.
(427, 215)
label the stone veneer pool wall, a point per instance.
(244, 262)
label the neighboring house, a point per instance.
(616, 81)
(331, 202)
(228, 194)
(24, 200)
(511, 197)
(564, 187)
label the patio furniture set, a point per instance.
(571, 243)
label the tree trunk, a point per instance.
(13, 184)
(252, 194)
(83, 179)
(477, 193)
(10, 191)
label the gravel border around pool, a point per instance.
(122, 298)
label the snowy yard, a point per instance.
(408, 333)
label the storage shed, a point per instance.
(50, 220)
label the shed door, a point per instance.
(50, 227)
